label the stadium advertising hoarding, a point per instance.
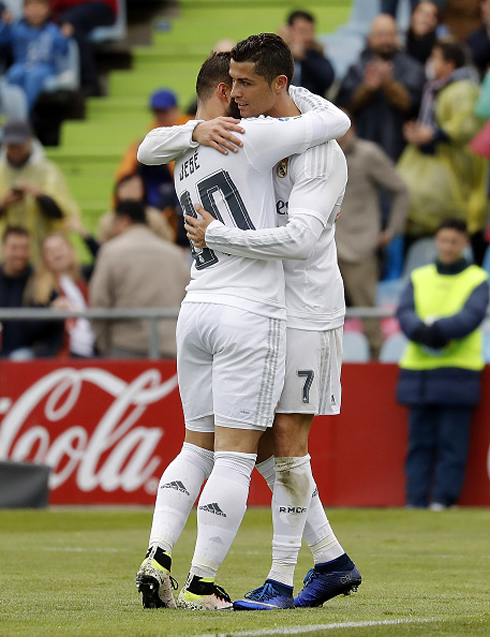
(108, 429)
(105, 429)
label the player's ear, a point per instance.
(280, 83)
(224, 91)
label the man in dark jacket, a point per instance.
(78, 18)
(383, 89)
(22, 340)
(312, 69)
(479, 40)
(440, 312)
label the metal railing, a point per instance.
(153, 314)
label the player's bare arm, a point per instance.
(196, 228)
(218, 134)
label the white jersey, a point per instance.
(237, 189)
(309, 189)
(313, 184)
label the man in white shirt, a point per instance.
(230, 338)
(309, 187)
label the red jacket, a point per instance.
(58, 6)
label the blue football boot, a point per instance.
(270, 596)
(324, 581)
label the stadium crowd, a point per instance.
(417, 153)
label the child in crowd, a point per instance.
(36, 42)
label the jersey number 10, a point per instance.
(218, 182)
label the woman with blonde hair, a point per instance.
(58, 282)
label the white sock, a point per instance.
(220, 510)
(291, 500)
(178, 489)
(267, 470)
(318, 533)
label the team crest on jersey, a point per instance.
(282, 168)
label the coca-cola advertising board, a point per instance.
(109, 428)
(106, 429)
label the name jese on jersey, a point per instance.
(190, 165)
(203, 257)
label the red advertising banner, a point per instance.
(109, 428)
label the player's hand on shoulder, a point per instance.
(218, 133)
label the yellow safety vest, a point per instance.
(437, 296)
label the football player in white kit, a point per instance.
(230, 338)
(309, 189)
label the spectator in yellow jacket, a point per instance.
(33, 191)
(444, 178)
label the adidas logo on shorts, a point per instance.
(212, 508)
(178, 486)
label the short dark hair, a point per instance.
(216, 69)
(300, 15)
(452, 223)
(452, 52)
(120, 182)
(270, 54)
(18, 230)
(135, 210)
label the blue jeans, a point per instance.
(31, 79)
(437, 453)
(85, 18)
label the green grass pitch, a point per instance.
(71, 572)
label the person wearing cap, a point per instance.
(158, 180)
(164, 106)
(33, 191)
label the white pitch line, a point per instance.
(79, 549)
(313, 628)
(432, 556)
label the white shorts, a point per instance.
(230, 366)
(313, 365)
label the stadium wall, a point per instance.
(108, 428)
